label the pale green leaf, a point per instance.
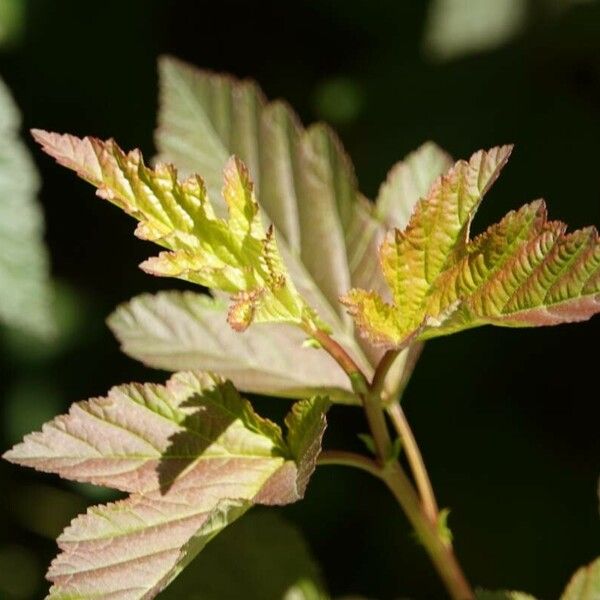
(585, 584)
(235, 255)
(524, 271)
(458, 27)
(192, 454)
(262, 557)
(185, 330)
(24, 271)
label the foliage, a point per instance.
(24, 279)
(523, 271)
(287, 238)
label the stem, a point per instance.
(441, 555)
(378, 426)
(338, 353)
(349, 459)
(387, 360)
(389, 470)
(415, 460)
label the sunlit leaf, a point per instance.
(24, 272)
(585, 584)
(235, 255)
(261, 557)
(185, 330)
(524, 271)
(193, 455)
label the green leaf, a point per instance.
(369, 442)
(235, 255)
(193, 455)
(262, 557)
(24, 270)
(524, 271)
(184, 330)
(585, 584)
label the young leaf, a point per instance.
(192, 454)
(184, 330)
(523, 271)
(235, 255)
(585, 584)
(24, 278)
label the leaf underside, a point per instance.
(181, 330)
(193, 456)
(523, 271)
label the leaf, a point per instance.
(585, 584)
(523, 271)
(235, 255)
(456, 28)
(304, 181)
(205, 117)
(184, 330)
(262, 557)
(193, 455)
(24, 270)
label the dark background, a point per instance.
(507, 420)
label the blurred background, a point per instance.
(507, 420)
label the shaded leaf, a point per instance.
(585, 584)
(263, 557)
(523, 271)
(24, 271)
(185, 330)
(235, 255)
(193, 455)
